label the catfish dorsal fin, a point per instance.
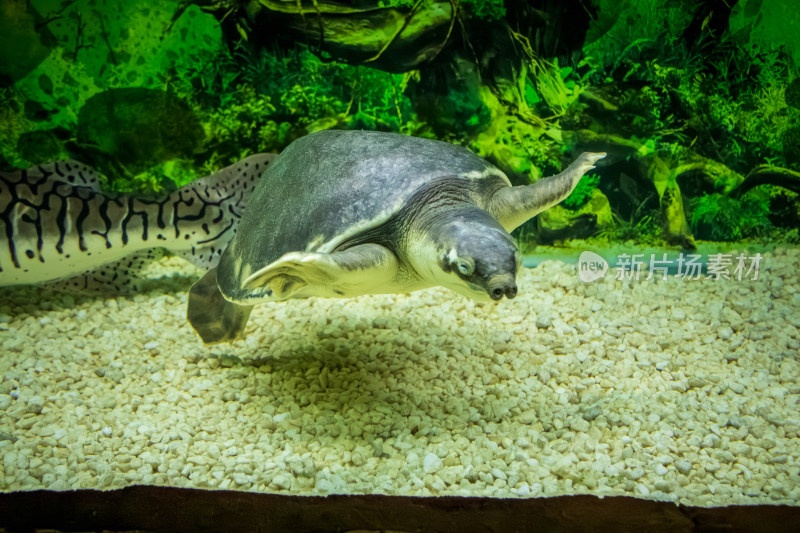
(234, 181)
(227, 191)
(68, 171)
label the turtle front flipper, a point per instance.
(213, 317)
(362, 269)
(512, 206)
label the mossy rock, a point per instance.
(449, 100)
(40, 146)
(36, 111)
(22, 47)
(767, 25)
(597, 205)
(122, 43)
(395, 39)
(559, 223)
(137, 128)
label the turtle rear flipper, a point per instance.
(213, 317)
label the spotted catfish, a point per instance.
(58, 225)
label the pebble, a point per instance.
(523, 491)
(243, 479)
(678, 313)
(228, 360)
(636, 473)
(737, 387)
(35, 404)
(282, 481)
(683, 466)
(592, 412)
(431, 463)
(499, 474)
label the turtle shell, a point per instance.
(330, 186)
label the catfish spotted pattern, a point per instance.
(56, 222)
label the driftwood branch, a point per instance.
(104, 34)
(769, 175)
(79, 37)
(55, 16)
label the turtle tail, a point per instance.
(213, 317)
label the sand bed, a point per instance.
(675, 390)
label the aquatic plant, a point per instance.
(719, 217)
(625, 34)
(302, 86)
(488, 10)
(582, 193)
(556, 85)
(125, 131)
(15, 124)
(681, 98)
(665, 78)
(638, 227)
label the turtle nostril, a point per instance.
(497, 294)
(511, 292)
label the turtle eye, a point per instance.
(466, 266)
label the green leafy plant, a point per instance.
(724, 96)
(720, 218)
(485, 9)
(640, 229)
(307, 89)
(582, 192)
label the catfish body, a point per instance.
(57, 223)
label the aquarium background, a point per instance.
(675, 387)
(696, 101)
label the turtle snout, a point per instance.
(500, 287)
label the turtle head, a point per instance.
(478, 257)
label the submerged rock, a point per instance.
(395, 39)
(23, 45)
(135, 129)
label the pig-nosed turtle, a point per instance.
(345, 213)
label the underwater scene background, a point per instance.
(604, 376)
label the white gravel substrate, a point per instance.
(673, 390)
